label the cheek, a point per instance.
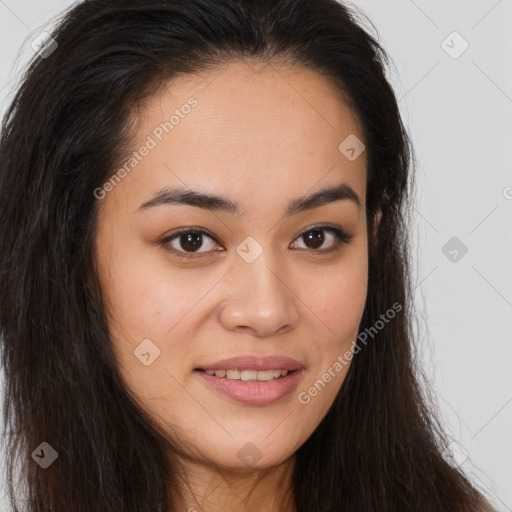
(338, 301)
(146, 305)
(338, 298)
(142, 296)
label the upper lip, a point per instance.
(247, 362)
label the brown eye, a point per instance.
(191, 241)
(188, 242)
(315, 238)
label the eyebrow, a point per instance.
(174, 196)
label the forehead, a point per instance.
(254, 128)
(256, 95)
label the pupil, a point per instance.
(316, 237)
(191, 241)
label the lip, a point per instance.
(254, 392)
(247, 362)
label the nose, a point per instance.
(260, 300)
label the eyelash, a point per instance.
(342, 237)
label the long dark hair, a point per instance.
(379, 448)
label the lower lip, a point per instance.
(254, 392)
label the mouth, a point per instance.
(251, 387)
(248, 375)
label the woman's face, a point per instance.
(265, 281)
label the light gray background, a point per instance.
(459, 114)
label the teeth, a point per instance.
(249, 375)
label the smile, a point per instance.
(251, 387)
(249, 375)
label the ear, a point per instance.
(376, 222)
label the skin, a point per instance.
(260, 135)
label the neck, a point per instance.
(205, 487)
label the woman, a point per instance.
(206, 305)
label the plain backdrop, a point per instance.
(451, 70)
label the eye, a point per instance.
(188, 242)
(191, 242)
(314, 238)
